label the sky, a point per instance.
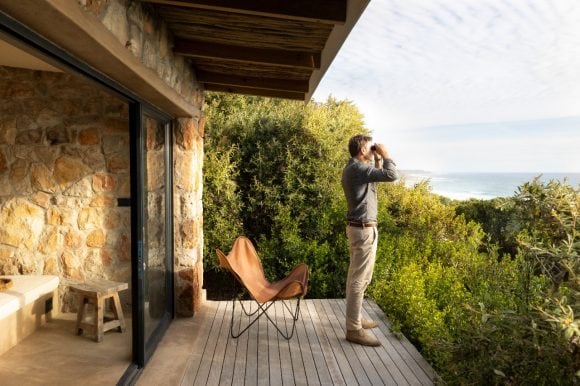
(466, 85)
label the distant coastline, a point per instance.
(481, 185)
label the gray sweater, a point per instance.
(359, 184)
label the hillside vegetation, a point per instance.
(487, 290)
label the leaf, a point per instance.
(499, 372)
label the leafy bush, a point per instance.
(282, 191)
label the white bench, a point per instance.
(23, 306)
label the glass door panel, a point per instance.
(156, 269)
(153, 247)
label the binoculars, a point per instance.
(373, 148)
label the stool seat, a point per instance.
(97, 292)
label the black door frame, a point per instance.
(143, 349)
(20, 35)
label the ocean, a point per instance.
(463, 186)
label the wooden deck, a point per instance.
(317, 354)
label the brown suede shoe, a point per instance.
(368, 323)
(362, 337)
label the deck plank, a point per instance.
(317, 354)
(337, 349)
(208, 314)
(252, 356)
(409, 360)
(378, 373)
(285, 357)
(220, 349)
(239, 374)
(329, 357)
(306, 349)
(274, 352)
(207, 359)
(352, 351)
(263, 354)
(228, 366)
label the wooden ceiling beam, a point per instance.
(252, 82)
(283, 58)
(320, 11)
(256, 91)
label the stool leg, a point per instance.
(99, 311)
(118, 311)
(80, 314)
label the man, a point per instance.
(359, 179)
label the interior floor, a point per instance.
(55, 355)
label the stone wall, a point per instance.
(64, 162)
(137, 27)
(141, 31)
(188, 224)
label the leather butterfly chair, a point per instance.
(243, 262)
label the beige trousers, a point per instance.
(362, 244)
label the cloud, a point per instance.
(417, 63)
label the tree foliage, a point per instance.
(279, 161)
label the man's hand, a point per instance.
(381, 150)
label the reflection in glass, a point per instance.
(155, 227)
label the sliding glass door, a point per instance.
(153, 267)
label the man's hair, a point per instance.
(356, 143)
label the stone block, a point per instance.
(24, 123)
(48, 118)
(51, 241)
(71, 266)
(94, 157)
(118, 163)
(41, 178)
(90, 136)
(116, 126)
(96, 239)
(104, 200)
(73, 239)
(45, 155)
(29, 137)
(68, 170)
(22, 223)
(106, 256)
(112, 219)
(51, 267)
(115, 143)
(185, 168)
(188, 232)
(8, 264)
(42, 199)
(58, 135)
(80, 188)
(103, 182)
(7, 131)
(90, 218)
(115, 20)
(124, 189)
(5, 187)
(123, 249)
(3, 162)
(18, 170)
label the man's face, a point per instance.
(367, 152)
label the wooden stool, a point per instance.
(97, 292)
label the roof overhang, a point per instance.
(271, 48)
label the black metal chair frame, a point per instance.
(262, 310)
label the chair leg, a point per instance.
(263, 311)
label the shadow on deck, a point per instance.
(201, 351)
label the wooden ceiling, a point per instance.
(276, 48)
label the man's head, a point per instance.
(360, 145)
